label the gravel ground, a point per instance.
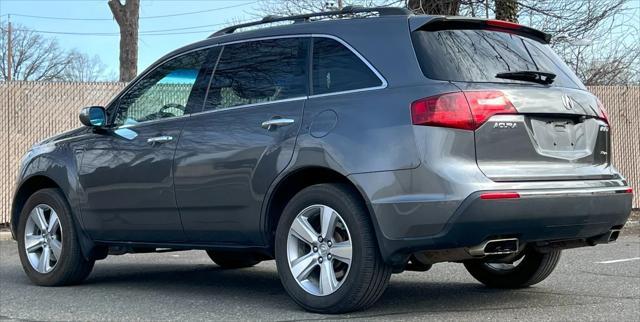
(187, 286)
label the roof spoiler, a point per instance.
(435, 23)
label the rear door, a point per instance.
(230, 153)
(558, 131)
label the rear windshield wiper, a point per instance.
(529, 76)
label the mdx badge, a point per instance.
(505, 125)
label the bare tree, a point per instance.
(507, 10)
(435, 7)
(598, 39)
(38, 58)
(294, 7)
(84, 68)
(35, 58)
(127, 17)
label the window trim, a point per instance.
(384, 83)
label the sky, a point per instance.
(152, 46)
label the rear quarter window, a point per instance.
(337, 69)
(478, 55)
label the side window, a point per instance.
(164, 92)
(259, 71)
(338, 69)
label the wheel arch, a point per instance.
(24, 191)
(293, 183)
(38, 182)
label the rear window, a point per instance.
(478, 55)
(259, 71)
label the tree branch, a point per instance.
(117, 9)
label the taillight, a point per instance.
(602, 112)
(487, 104)
(462, 110)
(447, 110)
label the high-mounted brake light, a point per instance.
(503, 24)
(499, 195)
(461, 110)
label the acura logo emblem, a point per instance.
(567, 101)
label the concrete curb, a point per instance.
(5, 235)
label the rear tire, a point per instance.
(343, 270)
(54, 257)
(534, 268)
(233, 260)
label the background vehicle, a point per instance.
(345, 155)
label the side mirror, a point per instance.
(94, 116)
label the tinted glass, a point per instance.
(338, 69)
(164, 92)
(259, 71)
(478, 55)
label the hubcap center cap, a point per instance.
(323, 249)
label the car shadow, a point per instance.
(261, 287)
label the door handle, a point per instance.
(276, 122)
(160, 139)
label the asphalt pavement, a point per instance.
(596, 283)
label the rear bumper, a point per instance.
(537, 216)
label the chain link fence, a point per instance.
(32, 111)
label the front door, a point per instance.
(229, 154)
(126, 171)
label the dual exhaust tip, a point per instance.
(504, 246)
(508, 246)
(613, 235)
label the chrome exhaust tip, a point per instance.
(495, 247)
(613, 235)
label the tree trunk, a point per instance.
(435, 7)
(127, 16)
(507, 10)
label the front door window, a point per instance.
(164, 93)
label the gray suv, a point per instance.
(346, 149)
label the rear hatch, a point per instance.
(533, 119)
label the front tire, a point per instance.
(326, 251)
(48, 243)
(533, 268)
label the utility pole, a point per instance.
(9, 49)
(340, 5)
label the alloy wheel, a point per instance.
(43, 238)
(319, 250)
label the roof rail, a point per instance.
(349, 10)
